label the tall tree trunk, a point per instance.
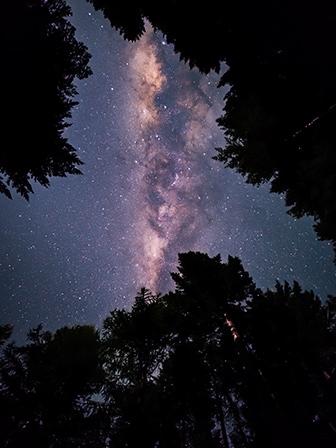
(237, 417)
(222, 422)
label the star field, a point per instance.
(145, 128)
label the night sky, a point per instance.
(145, 128)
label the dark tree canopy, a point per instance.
(279, 115)
(215, 363)
(46, 389)
(40, 60)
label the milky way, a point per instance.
(167, 122)
(145, 126)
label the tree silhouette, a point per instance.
(134, 346)
(46, 389)
(264, 355)
(215, 363)
(5, 333)
(288, 334)
(219, 363)
(200, 376)
(41, 59)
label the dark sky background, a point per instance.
(145, 128)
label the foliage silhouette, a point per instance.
(41, 59)
(46, 389)
(218, 362)
(133, 345)
(5, 333)
(215, 363)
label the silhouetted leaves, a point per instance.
(46, 389)
(41, 59)
(5, 333)
(215, 363)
